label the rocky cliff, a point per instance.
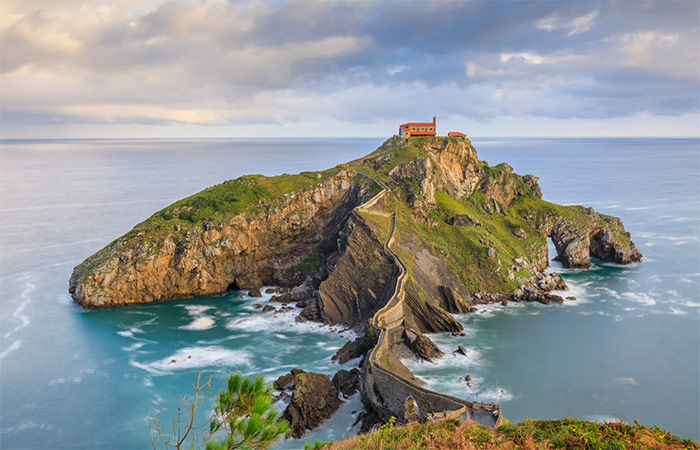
(462, 233)
(274, 239)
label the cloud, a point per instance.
(573, 26)
(213, 63)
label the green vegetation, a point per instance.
(380, 162)
(243, 418)
(569, 434)
(244, 411)
(309, 264)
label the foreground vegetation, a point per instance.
(570, 434)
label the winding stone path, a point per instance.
(398, 392)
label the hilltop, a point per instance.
(390, 244)
(530, 434)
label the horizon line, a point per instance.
(163, 138)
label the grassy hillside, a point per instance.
(569, 434)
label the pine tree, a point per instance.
(244, 412)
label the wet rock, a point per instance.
(254, 292)
(268, 308)
(257, 306)
(354, 349)
(315, 399)
(311, 312)
(287, 380)
(270, 291)
(461, 350)
(422, 346)
(571, 297)
(370, 422)
(347, 382)
(301, 292)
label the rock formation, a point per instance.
(314, 399)
(420, 223)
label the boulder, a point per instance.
(254, 292)
(421, 345)
(311, 312)
(270, 291)
(461, 350)
(463, 220)
(347, 382)
(268, 308)
(315, 399)
(492, 253)
(287, 380)
(257, 306)
(354, 349)
(301, 292)
(519, 233)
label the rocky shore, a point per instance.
(466, 232)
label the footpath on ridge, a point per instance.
(402, 397)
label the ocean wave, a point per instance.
(18, 313)
(199, 324)
(284, 321)
(196, 358)
(13, 346)
(639, 297)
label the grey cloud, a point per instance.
(217, 62)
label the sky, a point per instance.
(214, 68)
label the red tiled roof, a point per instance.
(456, 133)
(418, 124)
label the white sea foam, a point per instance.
(282, 321)
(14, 346)
(197, 310)
(19, 312)
(639, 297)
(627, 380)
(135, 346)
(130, 332)
(196, 357)
(200, 323)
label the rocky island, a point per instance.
(390, 245)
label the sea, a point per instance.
(628, 347)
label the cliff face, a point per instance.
(390, 244)
(278, 244)
(462, 226)
(362, 279)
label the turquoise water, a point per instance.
(627, 348)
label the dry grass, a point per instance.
(569, 434)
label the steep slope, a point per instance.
(389, 244)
